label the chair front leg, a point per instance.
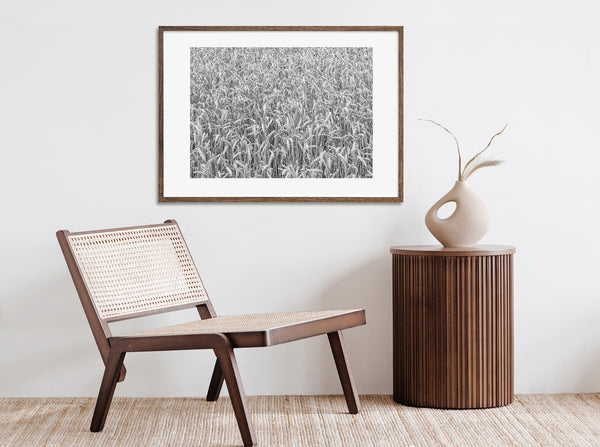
(336, 340)
(216, 383)
(107, 389)
(228, 365)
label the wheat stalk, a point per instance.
(472, 165)
(468, 172)
(480, 165)
(457, 146)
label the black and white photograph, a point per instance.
(280, 114)
(288, 112)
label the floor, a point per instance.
(532, 420)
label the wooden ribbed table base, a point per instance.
(453, 326)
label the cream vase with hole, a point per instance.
(469, 222)
(472, 217)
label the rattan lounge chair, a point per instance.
(130, 272)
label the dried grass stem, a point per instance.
(457, 146)
(474, 163)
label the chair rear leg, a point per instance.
(229, 368)
(107, 389)
(336, 340)
(216, 383)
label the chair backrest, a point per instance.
(135, 271)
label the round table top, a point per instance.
(438, 250)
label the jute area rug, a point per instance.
(532, 420)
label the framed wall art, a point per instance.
(282, 114)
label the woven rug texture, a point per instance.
(532, 420)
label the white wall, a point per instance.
(78, 83)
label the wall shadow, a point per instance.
(368, 286)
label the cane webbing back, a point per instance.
(136, 270)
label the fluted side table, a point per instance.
(453, 326)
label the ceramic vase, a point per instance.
(469, 222)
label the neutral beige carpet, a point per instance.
(540, 420)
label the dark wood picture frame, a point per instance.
(163, 197)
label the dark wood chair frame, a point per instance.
(113, 349)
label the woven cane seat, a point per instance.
(266, 328)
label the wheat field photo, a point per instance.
(287, 112)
